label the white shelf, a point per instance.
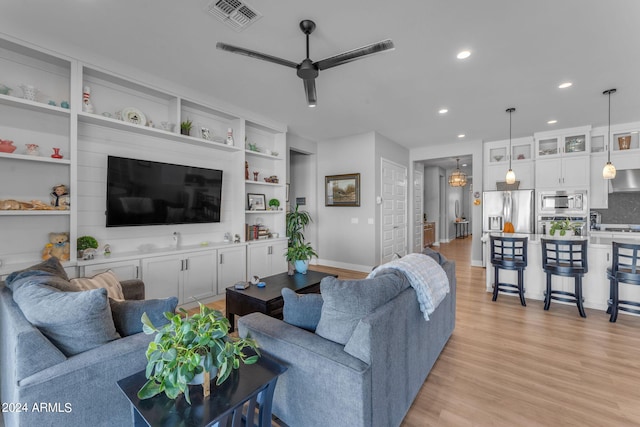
(18, 212)
(34, 158)
(112, 123)
(264, 212)
(269, 184)
(33, 105)
(259, 154)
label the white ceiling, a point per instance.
(521, 51)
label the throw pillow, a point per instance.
(301, 310)
(127, 314)
(348, 301)
(437, 256)
(106, 280)
(73, 321)
(51, 266)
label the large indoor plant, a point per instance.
(298, 252)
(188, 346)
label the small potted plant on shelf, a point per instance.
(185, 127)
(85, 242)
(274, 204)
(189, 346)
(563, 226)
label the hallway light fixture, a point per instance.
(457, 177)
(511, 176)
(609, 171)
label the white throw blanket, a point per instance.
(425, 276)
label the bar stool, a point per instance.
(625, 268)
(566, 258)
(509, 253)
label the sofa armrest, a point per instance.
(336, 386)
(133, 289)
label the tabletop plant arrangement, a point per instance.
(298, 252)
(191, 345)
(562, 226)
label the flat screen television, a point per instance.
(141, 192)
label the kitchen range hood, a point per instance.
(626, 181)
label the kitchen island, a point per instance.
(595, 284)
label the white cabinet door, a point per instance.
(599, 187)
(278, 259)
(259, 262)
(162, 276)
(232, 267)
(124, 270)
(200, 278)
(575, 171)
(599, 259)
(493, 174)
(548, 173)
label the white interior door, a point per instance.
(394, 210)
(418, 209)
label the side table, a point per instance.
(250, 387)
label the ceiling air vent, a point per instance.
(236, 14)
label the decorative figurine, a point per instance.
(60, 197)
(246, 170)
(255, 176)
(229, 136)
(87, 106)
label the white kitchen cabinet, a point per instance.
(124, 270)
(190, 276)
(266, 259)
(562, 172)
(496, 162)
(564, 142)
(232, 267)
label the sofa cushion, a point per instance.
(348, 301)
(302, 310)
(73, 321)
(107, 280)
(127, 314)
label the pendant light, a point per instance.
(511, 176)
(458, 178)
(609, 171)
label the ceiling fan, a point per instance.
(308, 70)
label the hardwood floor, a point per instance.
(508, 365)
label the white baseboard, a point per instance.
(346, 266)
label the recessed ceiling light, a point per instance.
(464, 54)
(443, 111)
(462, 135)
(552, 122)
(565, 85)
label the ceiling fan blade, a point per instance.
(354, 54)
(310, 89)
(254, 54)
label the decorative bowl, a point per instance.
(4, 90)
(497, 158)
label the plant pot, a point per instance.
(302, 266)
(199, 378)
(185, 132)
(624, 142)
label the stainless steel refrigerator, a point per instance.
(516, 207)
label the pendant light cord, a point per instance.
(609, 92)
(510, 110)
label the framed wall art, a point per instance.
(342, 190)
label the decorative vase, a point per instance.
(32, 149)
(56, 154)
(29, 92)
(624, 142)
(302, 265)
(7, 146)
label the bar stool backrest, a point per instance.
(564, 257)
(509, 252)
(625, 263)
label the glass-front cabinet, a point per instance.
(573, 141)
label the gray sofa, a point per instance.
(81, 390)
(373, 380)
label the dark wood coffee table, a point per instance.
(268, 300)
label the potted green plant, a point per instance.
(188, 346)
(274, 204)
(298, 252)
(85, 242)
(185, 127)
(563, 225)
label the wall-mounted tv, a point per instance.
(141, 192)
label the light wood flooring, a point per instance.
(508, 365)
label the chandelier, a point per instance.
(458, 178)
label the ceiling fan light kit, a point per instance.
(308, 70)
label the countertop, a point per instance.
(594, 240)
